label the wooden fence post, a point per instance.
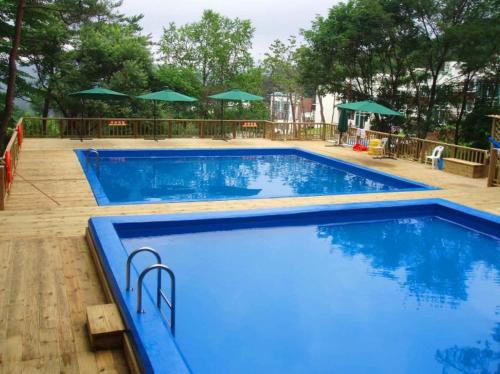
(135, 132)
(61, 128)
(99, 128)
(422, 152)
(398, 146)
(492, 167)
(416, 149)
(493, 155)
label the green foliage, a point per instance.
(17, 113)
(282, 70)
(386, 49)
(216, 46)
(397, 51)
(252, 80)
(211, 55)
(7, 12)
(477, 126)
(70, 45)
(280, 64)
(178, 78)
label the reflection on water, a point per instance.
(196, 178)
(434, 262)
(480, 359)
(400, 296)
(436, 258)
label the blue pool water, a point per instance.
(122, 177)
(408, 289)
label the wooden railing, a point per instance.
(13, 148)
(404, 147)
(418, 149)
(494, 169)
(300, 130)
(143, 127)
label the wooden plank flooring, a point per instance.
(47, 277)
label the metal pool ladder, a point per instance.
(97, 159)
(159, 292)
(89, 152)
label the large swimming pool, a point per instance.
(409, 286)
(148, 176)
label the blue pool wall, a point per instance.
(158, 353)
(404, 184)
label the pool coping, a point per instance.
(153, 355)
(102, 199)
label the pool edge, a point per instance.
(131, 356)
(365, 171)
(440, 206)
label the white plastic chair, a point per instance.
(380, 149)
(436, 155)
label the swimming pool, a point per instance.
(408, 286)
(148, 176)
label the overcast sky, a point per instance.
(272, 19)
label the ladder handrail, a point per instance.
(97, 160)
(159, 293)
(129, 263)
(89, 152)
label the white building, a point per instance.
(332, 114)
(451, 75)
(280, 108)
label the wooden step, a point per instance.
(105, 326)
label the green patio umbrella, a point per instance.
(343, 125)
(97, 93)
(368, 106)
(164, 95)
(233, 95)
(236, 95)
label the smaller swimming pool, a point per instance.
(169, 175)
(407, 286)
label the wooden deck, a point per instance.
(48, 277)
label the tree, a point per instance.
(181, 79)
(437, 22)
(12, 71)
(280, 64)
(50, 36)
(358, 51)
(114, 54)
(216, 47)
(48, 30)
(397, 52)
(315, 76)
(477, 50)
(252, 80)
(476, 126)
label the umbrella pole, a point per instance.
(154, 120)
(82, 124)
(222, 119)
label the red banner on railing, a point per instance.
(7, 159)
(117, 123)
(20, 130)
